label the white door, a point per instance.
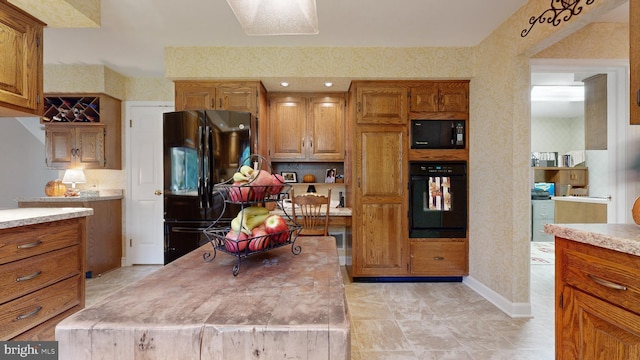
(145, 235)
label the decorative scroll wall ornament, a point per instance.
(561, 10)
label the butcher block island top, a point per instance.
(280, 306)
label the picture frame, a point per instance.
(330, 176)
(289, 176)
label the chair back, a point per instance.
(311, 211)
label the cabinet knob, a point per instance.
(157, 192)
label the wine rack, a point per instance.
(71, 109)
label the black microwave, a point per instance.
(438, 134)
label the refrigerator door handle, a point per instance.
(206, 183)
(200, 166)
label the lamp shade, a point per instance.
(73, 177)
(276, 17)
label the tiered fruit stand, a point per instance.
(225, 238)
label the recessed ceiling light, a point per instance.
(284, 84)
(328, 84)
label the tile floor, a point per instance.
(426, 321)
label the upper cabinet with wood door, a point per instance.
(82, 131)
(21, 59)
(634, 60)
(217, 95)
(307, 127)
(381, 104)
(446, 96)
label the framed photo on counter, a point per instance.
(289, 176)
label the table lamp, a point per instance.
(73, 177)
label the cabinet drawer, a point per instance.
(607, 274)
(439, 258)
(25, 241)
(24, 276)
(30, 310)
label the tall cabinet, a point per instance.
(380, 113)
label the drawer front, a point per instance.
(543, 209)
(22, 314)
(439, 258)
(607, 274)
(21, 277)
(26, 241)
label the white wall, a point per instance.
(24, 173)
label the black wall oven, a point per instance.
(438, 199)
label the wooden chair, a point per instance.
(307, 212)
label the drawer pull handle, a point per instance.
(29, 314)
(29, 277)
(607, 283)
(30, 245)
(438, 258)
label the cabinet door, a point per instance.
(59, 147)
(89, 151)
(578, 177)
(287, 128)
(381, 105)
(425, 98)
(325, 130)
(381, 224)
(634, 61)
(21, 58)
(454, 97)
(237, 97)
(596, 329)
(195, 95)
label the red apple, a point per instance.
(277, 183)
(235, 241)
(276, 226)
(260, 239)
(239, 192)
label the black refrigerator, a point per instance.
(200, 149)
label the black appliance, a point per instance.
(438, 199)
(200, 149)
(438, 134)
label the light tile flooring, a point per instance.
(426, 321)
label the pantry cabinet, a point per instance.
(440, 97)
(597, 303)
(307, 127)
(82, 131)
(634, 61)
(21, 73)
(380, 113)
(217, 95)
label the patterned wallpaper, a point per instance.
(500, 128)
(63, 13)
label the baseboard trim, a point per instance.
(514, 310)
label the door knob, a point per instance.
(157, 192)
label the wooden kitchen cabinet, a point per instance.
(79, 146)
(574, 176)
(597, 303)
(305, 127)
(41, 274)
(378, 103)
(21, 73)
(634, 61)
(439, 258)
(217, 95)
(595, 112)
(83, 131)
(103, 231)
(450, 96)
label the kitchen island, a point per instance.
(280, 305)
(597, 291)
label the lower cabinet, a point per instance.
(439, 258)
(597, 303)
(41, 276)
(103, 233)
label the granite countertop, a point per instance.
(11, 218)
(102, 195)
(584, 199)
(280, 305)
(624, 238)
